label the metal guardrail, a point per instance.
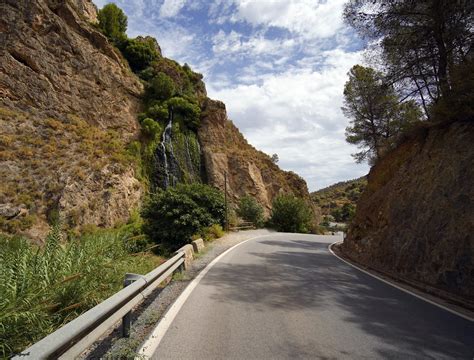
(76, 336)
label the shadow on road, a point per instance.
(294, 275)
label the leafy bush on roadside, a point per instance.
(250, 210)
(172, 216)
(290, 214)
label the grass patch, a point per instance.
(44, 288)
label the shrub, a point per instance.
(212, 232)
(250, 210)
(186, 110)
(158, 112)
(151, 128)
(139, 53)
(113, 22)
(172, 216)
(161, 87)
(290, 214)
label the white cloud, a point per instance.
(171, 8)
(297, 115)
(308, 18)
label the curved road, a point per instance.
(285, 296)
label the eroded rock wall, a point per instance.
(416, 218)
(249, 171)
(68, 105)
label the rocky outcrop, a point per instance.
(52, 61)
(415, 220)
(68, 105)
(249, 171)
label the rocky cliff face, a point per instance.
(415, 220)
(68, 110)
(68, 106)
(249, 171)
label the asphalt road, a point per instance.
(285, 296)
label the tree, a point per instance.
(275, 158)
(421, 41)
(290, 214)
(250, 210)
(140, 53)
(113, 22)
(161, 87)
(377, 117)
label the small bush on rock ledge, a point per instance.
(172, 216)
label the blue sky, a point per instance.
(278, 65)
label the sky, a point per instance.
(278, 65)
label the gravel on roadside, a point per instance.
(146, 315)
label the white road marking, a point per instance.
(151, 343)
(399, 287)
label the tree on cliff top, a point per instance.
(113, 22)
(377, 116)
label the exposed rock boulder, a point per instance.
(416, 218)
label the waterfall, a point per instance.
(189, 158)
(166, 147)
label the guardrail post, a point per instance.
(127, 318)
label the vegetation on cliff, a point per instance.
(421, 49)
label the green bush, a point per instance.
(160, 87)
(250, 210)
(43, 288)
(113, 23)
(187, 111)
(159, 112)
(139, 53)
(151, 128)
(172, 216)
(290, 214)
(344, 214)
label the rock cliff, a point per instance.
(69, 105)
(415, 220)
(249, 171)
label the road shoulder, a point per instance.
(151, 311)
(423, 293)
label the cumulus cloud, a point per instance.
(297, 115)
(308, 18)
(171, 8)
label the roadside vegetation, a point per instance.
(42, 288)
(250, 210)
(291, 214)
(173, 216)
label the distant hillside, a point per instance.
(339, 200)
